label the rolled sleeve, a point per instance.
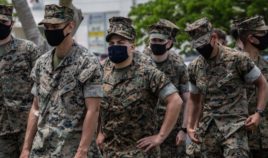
(93, 91)
(34, 90)
(253, 75)
(167, 90)
(193, 88)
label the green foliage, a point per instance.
(181, 12)
(3, 2)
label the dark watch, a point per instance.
(261, 112)
(184, 129)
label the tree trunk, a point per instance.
(78, 16)
(29, 26)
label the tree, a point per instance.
(29, 26)
(181, 12)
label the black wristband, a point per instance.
(260, 112)
(184, 129)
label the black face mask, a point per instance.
(55, 37)
(205, 50)
(4, 31)
(158, 49)
(263, 42)
(117, 54)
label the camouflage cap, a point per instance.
(200, 32)
(121, 26)
(163, 29)
(255, 23)
(6, 12)
(55, 14)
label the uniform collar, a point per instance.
(69, 59)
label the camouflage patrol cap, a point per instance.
(200, 32)
(6, 12)
(55, 14)
(121, 26)
(255, 23)
(163, 29)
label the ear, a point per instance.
(169, 43)
(252, 39)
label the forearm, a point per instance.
(262, 93)
(171, 116)
(89, 128)
(185, 109)
(31, 128)
(194, 111)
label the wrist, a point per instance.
(260, 112)
(82, 149)
(183, 129)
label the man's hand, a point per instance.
(25, 153)
(100, 140)
(253, 121)
(181, 137)
(81, 153)
(193, 136)
(150, 142)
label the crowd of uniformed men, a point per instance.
(64, 104)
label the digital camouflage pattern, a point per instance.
(175, 69)
(221, 82)
(62, 92)
(200, 32)
(255, 23)
(258, 139)
(6, 12)
(17, 58)
(121, 26)
(55, 14)
(214, 143)
(129, 106)
(165, 28)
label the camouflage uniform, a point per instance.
(17, 58)
(61, 93)
(129, 106)
(175, 69)
(221, 82)
(258, 140)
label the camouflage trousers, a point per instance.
(214, 145)
(193, 150)
(169, 148)
(10, 145)
(94, 151)
(154, 153)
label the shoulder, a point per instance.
(232, 54)
(23, 44)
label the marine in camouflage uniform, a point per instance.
(17, 58)
(217, 79)
(162, 34)
(64, 90)
(258, 139)
(130, 97)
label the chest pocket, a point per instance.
(20, 63)
(227, 84)
(67, 86)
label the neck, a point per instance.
(215, 51)
(124, 63)
(63, 49)
(160, 58)
(6, 40)
(251, 51)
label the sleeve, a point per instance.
(34, 52)
(91, 78)
(160, 84)
(192, 80)
(183, 86)
(247, 69)
(35, 77)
